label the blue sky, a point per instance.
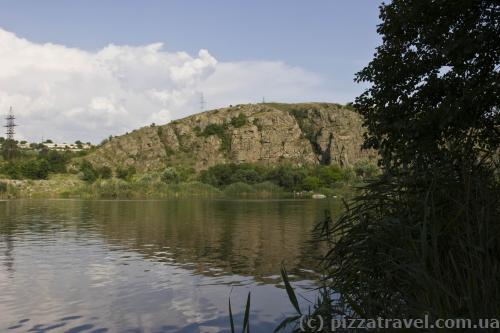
(328, 40)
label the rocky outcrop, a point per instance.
(270, 133)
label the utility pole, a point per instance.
(9, 149)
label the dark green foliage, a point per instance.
(3, 187)
(9, 149)
(239, 121)
(125, 173)
(287, 177)
(57, 160)
(105, 172)
(214, 129)
(218, 175)
(170, 176)
(247, 174)
(12, 170)
(222, 132)
(434, 92)
(28, 168)
(121, 173)
(310, 183)
(35, 168)
(88, 173)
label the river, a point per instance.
(152, 266)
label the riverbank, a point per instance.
(147, 187)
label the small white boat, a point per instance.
(318, 196)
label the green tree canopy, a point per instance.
(435, 82)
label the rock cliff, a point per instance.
(270, 133)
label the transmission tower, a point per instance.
(10, 144)
(202, 103)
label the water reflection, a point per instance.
(155, 266)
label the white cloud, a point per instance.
(66, 93)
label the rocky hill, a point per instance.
(269, 133)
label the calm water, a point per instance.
(150, 266)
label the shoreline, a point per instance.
(69, 186)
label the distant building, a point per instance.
(56, 146)
(67, 146)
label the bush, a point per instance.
(125, 173)
(239, 121)
(12, 170)
(221, 132)
(311, 183)
(329, 175)
(56, 160)
(239, 188)
(35, 169)
(287, 177)
(170, 176)
(105, 172)
(246, 175)
(267, 189)
(219, 175)
(214, 129)
(87, 172)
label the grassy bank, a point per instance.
(148, 186)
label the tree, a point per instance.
(424, 238)
(9, 149)
(170, 176)
(34, 168)
(56, 160)
(435, 90)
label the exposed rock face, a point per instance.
(268, 133)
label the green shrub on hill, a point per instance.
(239, 121)
(87, 172)
(125, 173)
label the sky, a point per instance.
(84, 70)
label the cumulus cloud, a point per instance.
(66, 93)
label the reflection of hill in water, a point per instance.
(210, 237)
